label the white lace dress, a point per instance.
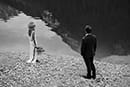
(32, 53)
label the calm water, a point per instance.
(13, 33)
(13, 36)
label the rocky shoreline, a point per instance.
(59, 71)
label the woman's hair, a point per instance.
(29, 32)
(31, 26)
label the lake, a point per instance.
(65, 40)
(13, 36)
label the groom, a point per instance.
(88, 49)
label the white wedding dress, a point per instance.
(32, 53)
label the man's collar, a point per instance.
(88, 34)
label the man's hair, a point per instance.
(88, 28)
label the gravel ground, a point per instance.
(58, 71)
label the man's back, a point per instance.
(88, 49)
(88, 46)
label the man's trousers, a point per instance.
(91, 70)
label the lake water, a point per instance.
(13, 33)
(13, 36)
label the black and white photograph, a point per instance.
(64, 43)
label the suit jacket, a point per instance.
(88, 46)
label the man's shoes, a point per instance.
(93, 77)
(86, 77)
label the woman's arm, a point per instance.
(34, 39)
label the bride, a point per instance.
(32, 43)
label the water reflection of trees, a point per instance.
(6, 12)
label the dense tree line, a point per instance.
(78, 7)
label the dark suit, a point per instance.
(88, 49)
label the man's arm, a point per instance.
(95, 45)
(82, 47)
